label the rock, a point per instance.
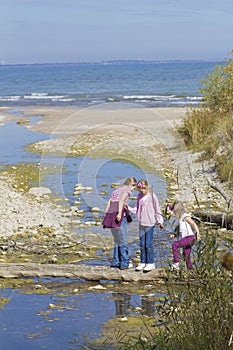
(39, 191)
(88, 188)
(98, 287)
(103, 193)
(113, 185)
(23, 121)
(95, 210)
(77, 203)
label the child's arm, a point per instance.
(120, 205)
(194, 226)
(107, 207)
(158, 214)
(133, 210)
(176, 234)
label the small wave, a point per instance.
(39, 94)
(193, 98)
(36, 96)
(10, 98)
(183, 102)
(63, 99)
(155, 98)
(144, 97)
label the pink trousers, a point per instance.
(186, 244)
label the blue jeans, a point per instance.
(121, 249)
(146, 234)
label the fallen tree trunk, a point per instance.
(215, 217)
(86, 272)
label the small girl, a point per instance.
(148, 212)
(186, 235)
(116, 219)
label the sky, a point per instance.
(46, 31)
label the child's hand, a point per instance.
(161, 226)
(172, 236)
(118, 217)
(198, 237)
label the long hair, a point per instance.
(178, 209)
(130, 180)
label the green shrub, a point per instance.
(201, 316)
(209, 128)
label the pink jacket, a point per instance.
(148, 210)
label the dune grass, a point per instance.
(209, 127)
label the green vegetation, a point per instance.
(209, 128)
(24, 176)
(201, 316)
(195, 313)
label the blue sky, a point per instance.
(39, 31)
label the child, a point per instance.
(148, 212)
(186, 235)
(116, 219)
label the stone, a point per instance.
(95, 210)
(39, 191)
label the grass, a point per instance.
(202, 315)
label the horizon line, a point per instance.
(119, 61)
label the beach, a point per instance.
(146, 137)
(38, 228)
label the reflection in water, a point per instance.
(123, 305)
(148, 307)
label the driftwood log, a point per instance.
(217, 188)
(215, 217)
(86, 272)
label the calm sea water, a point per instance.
(83, 84)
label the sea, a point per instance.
(148, 83)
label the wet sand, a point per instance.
(74, 120)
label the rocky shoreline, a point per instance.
(161, 152)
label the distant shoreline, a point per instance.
(113, 62)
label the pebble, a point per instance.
(24, 213)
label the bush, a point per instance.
(209, 128)
(201, 316)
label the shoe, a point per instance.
(140, 267)
(149, 267)
(175, 267)
(130, 265)
(115, 266)
(126, 267)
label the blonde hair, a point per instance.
(178, 209)
(130, 181)
(144, 184)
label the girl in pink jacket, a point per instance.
(148, 214)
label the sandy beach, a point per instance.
(146, 137)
